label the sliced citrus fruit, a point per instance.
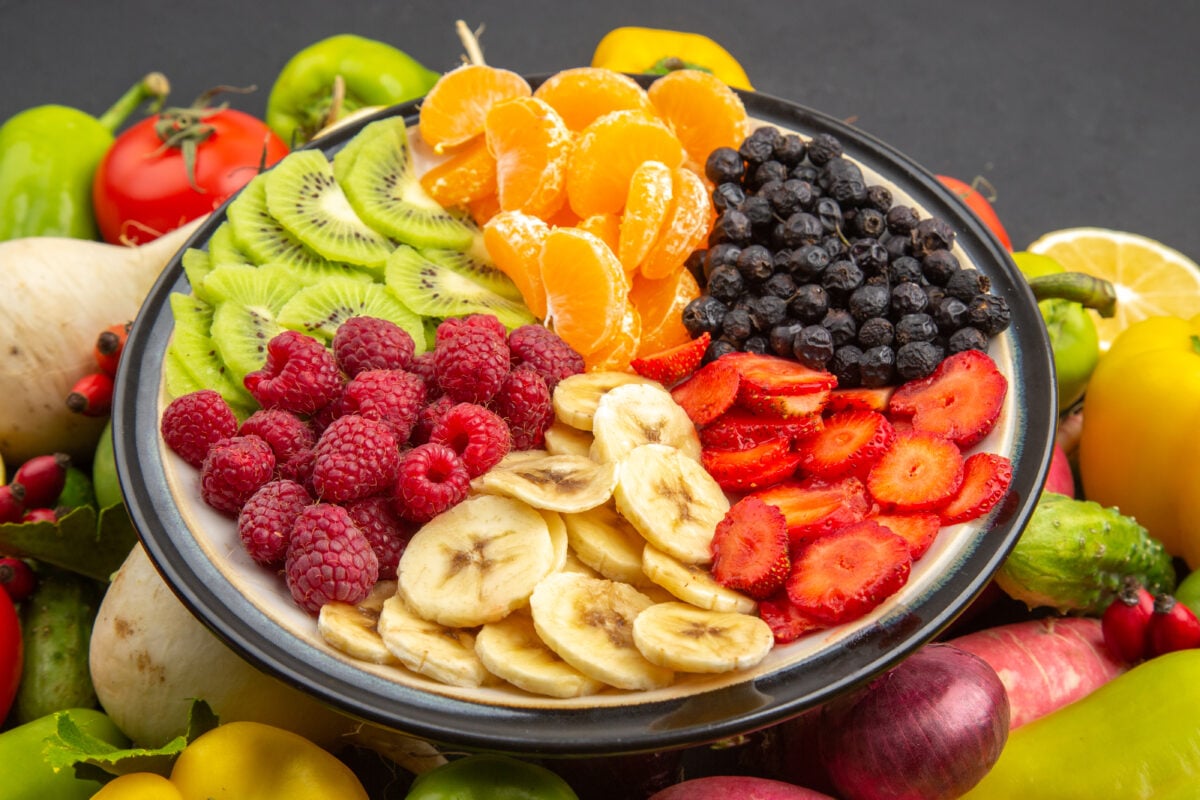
(606, 226)
(455, 109)
(1151, 279)
(606, 154)
(483, 209)
(704, 112)
(467, 175)
(685, 227)
(619, 350)
(563, 218)
(646, 207)
(660, 304)
(514, 242)
(531, 144)
(586, 289)
(583, 94)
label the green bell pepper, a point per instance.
(486, 776)
(336, 76)
(48, 155)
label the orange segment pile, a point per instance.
(584, 94)
(456, 108)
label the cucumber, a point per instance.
(1074, 554)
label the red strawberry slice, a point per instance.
(763, 464)
(672, 365)
(785, 406)
(849, 441)
(709, 392)
(786, 620)
(843, 575)
(815, 506)
(738, 429)
(773, 375)
(960, 400)
(920, 472)
(861, 398)
(750, 549)
(986, 477)
(917, 529)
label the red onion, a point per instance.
(928, 729)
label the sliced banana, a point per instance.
(562, 439)
(561, 545)
(512, 650)
(476, 562)
(517, 458)
(564, 483)
(576, 396)
(681, 637)
(607, 543)
(640, 413)
(354, 628)
(444, 654)
(671, 500)
(577, 567)
(589, 623)
(693, 584)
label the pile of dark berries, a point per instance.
(808, 260)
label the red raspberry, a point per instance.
(524, 404)
(363, 343)
(355, 457)
(423, 366)
(194, 422)
(452, 325)
(329, 559)
(429, 417)
(288, 434)
(299, 467)
(387, 532)
(545, 351)
(388, 395)
(265, 521)
(233, 470)
(471, 363)
(478, 435)
(300, 375)
(431, 479)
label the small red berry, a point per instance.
(432, 478)
(300, 375)
(479, 436)
(43, 478)
(1173, 626)
(39, 515)
(364, 343)
(91, 395)
(233, 470)
(328, 558)
(12, 502)
(109, 345)
(1126, 622)
(17, 578)
(192, 423)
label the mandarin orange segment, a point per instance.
(605, 226)
(467, 175)
(484, 209)
(563, 218)
(620, 349)
(583, 94)
(454, 110)
(660, 304)
(606, 154)
(514, 242)
(586, 289)
(702, 111)
(686, 226)
(531, 145)
(646, 207)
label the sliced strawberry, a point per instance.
(709, 392)
(672, 365)
(815, 506)
(986, 477)
(849, 442)
(738, 429)
(785, 619)
(763, 464)
(785, 406)
(769, 374)
(917, 529)
(750, 549)
(920, 472)
(860, 398)
(843, 575)
(960, 400)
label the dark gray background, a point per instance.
(1078, 113)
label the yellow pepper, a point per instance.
(1138, 448)
(656, 51)
(139, 786)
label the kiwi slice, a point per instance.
(319, 310)
(271, 285)
(241, 334)
(381, 184)
(304, 197)
(434, 290)
(481, 272)
(192, 361)
(223, 247)
(196, 265)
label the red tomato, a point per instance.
(142, 187)
(10, 654)
(980, 205)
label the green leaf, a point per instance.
(81, 540)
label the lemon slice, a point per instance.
(1151, 279)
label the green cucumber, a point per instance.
(26, 775)
(1074, 555)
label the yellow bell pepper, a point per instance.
(1138, 448)
(656, 51)
(139, 786)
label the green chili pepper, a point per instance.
(490, 777)
(48, 155)
(336, 76)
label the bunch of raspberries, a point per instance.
(359, 443)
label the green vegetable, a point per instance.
(490, 777)
(104, 471)
(1074, 554)
(48, 155)
(336, 76)
(25, 774)
(77, 491)
(1188, 591)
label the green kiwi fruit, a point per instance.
(304, 197)
(480, 271)
(223, 247)
(433, 290)
(246, 302)
(196, 265)
(270, 285)
(192, 361)
(319, 310)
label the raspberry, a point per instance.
(429, 416)
(471, 363)
(431, 479)
(265, 521)
(355, 457)
(299, 467)
(329, 559)
(452, 325)
(384, 529)
(388, 395)
(194, 422)
(233, 470)
(288, 434)
(524, 404)
(363, 343)
(478, 436)
(545, 351)
(423, 366)
(300, 375)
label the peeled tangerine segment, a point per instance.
(586, 288)
(607, 153)
(531, 144)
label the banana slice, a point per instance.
(476, 562)
(354, 628)
(446, 655)
(517, 458)
(562, 439)
(564, 483)
(607, 543)
(559, 542)
(512, 650)
(589, 623)
(681, 637)
(640, 413)
(671, 500)
(693, 584)
(576, 567)
(576, 396)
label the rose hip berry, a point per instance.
(17, 578)
(43, 478)
(1173, 626)
(1126, 622)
